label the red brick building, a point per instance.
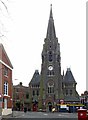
(5, 82)
(20, 97)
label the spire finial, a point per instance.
(63, 73)
(51, 5)
(51, 11)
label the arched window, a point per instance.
(50, 73)
(70, 92)
(50, 89)
(33, 92)
(5, 88)
(50, 56)
(66, 92)
(42, 59)
(37, 92)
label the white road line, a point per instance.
(60, 115)
(45, 114)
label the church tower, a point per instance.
(49, 88)
(51, 65)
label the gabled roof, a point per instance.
(69, 76)
(4, 57)
(36, 78)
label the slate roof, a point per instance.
(36, 78)
(69, 76)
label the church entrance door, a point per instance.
(50, 106)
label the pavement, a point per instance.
(0, 117)
(40, 115)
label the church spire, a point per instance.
(51, 15)
(51, 29)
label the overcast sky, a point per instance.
(25, 30)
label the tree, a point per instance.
(40, 105)
(3, 11)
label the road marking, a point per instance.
(45, 114)
(60, 115)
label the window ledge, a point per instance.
(6, 76)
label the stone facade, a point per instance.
(52, 86)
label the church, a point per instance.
(49, 87)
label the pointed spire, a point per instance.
(69, 76)
(51, 15)
(51, 29)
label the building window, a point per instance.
(66, 92)
(27, 96)
(42, 59)
(37, 92)
(17, 96)
(17, 90)
(50, 56)
(5, 88)
(50, 46)
(6, 71)
(50, 73)
(70, 92)
(50, 89)
(33, 92)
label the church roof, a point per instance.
(36, 78)
(69, 76)
(51, 34)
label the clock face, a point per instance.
(50, 67)
(51, 83)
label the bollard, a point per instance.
(82, 114)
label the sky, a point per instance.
(25, 28)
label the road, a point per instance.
(41, 115)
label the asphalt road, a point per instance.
(41, 115)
